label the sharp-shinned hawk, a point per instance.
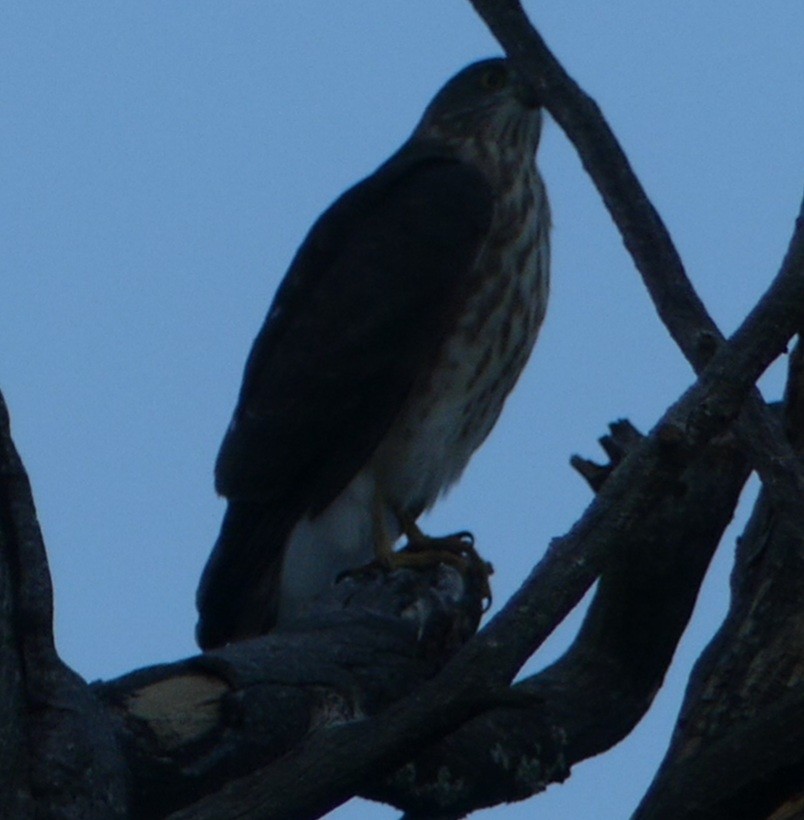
(393, 341)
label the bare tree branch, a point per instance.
(14, 780)
(708, 407)
(742, 753)
(596, 693)
(643, 232)
(66, 762)
(188, 727)
(262, 687)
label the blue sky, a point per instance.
(161, 163)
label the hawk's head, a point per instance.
(487, 114)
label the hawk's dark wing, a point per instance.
(367, 302)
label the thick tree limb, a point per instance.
(741, 753)
(14, 781)
(470, 683)
(168, 716)
(596, 693)
(201, 694)
(189, 727)
(65, 762)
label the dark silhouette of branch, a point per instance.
(187, 728)
(707, 408)
(554, 720)
(59, 754)
(644, 234)
(596, 693)
(13, 761)
(741, 754)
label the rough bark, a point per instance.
(738, 749)
(14, 781)
(59, 755)
(598, 691)
(188, 728)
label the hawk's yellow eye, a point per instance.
(494, 78)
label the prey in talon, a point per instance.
(457, 550)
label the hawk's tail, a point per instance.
(239, 590)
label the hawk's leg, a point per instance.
(384, 556)
(421, 551)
